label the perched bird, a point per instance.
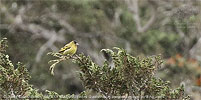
(69, 49)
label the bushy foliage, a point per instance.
(14, 80)
(126, 76)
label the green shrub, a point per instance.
(125, 76)
(14, 80)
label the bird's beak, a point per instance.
(77, 43)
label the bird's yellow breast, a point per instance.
(72, 50)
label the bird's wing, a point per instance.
(66, 47)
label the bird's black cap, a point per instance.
(75, 42)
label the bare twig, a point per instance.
(134, 8)
(45, 46)
(195, 50)
(116, 20)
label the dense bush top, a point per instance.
(125, 75)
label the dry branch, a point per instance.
(134, 8)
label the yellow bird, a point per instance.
(69, 49)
